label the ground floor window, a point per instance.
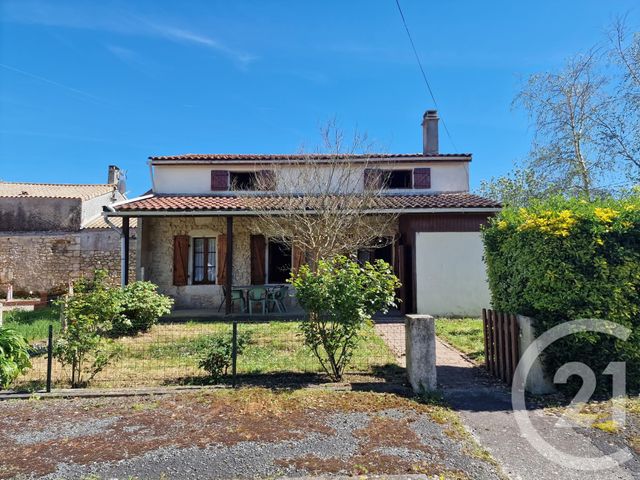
(204, 260)
(278, 262)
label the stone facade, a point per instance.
(45, 262)
(156, 258)
(156, 254)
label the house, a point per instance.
(197, 226)
(51, 234)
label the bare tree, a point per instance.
(324, 201)
(565, 109)
(620, 128)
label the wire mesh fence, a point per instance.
(172, 353)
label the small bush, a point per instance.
(14, 356)
(90, 314)
(141, 308)
(340, 296)
(217, 354)
(563, 260)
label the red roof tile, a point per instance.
(189, 203)
(250, 157)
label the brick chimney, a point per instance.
(430, 133)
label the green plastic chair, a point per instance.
(275, 298)
(258, 295)
(236, 295)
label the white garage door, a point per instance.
(451, 278)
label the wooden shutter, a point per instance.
(222, 259)
(219, 180)
(180, 259)
(372, 178)
(258, 246)
(267, 179)
(298, 258)
(422, 178)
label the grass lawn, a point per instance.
(34, 325)
(464, 334)
(169, 354)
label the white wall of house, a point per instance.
(451, 278)
(196, 179)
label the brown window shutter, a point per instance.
(180, 259)
(222, 259)
(258, 246)
(219, 180)
(421, 178)
(267, 179)
(298, 258)
(372, 178)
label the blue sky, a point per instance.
(87, 84)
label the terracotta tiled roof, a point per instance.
(250, 157)
(52, 190)
(189, 203)
(99, 223)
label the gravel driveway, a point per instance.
(246, 433)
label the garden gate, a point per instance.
(501, 343)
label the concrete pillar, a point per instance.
(537, 381)
(420, 336)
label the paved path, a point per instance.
(485, 407)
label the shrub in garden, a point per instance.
(562, 260)
(14, 356)
(142, 306)
(90, 314)
(217, 354)
(340, 296)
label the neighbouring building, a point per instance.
(194, 213)
(51, 234)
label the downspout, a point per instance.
(109, 208)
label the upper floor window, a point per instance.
(397, 179)
(418, 178)
(224, 180)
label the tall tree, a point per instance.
(620, 128)
(565, 109)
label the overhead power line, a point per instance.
(424, 75)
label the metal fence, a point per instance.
(259, 352)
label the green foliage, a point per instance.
(340, 296)
(217, 354)
(518, 188)
(562, 260)
(90, 314)
(14, 356)
(141, 306)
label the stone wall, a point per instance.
(46, 262)
(32, 214)
(157, 255)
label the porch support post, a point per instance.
(228, 306)
(124, 274)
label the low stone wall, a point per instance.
(46, 262)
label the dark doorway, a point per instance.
(382, 249)
(278, 262)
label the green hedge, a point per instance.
(563, 260)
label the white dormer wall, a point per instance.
(196, 179)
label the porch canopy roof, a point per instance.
(244, 204)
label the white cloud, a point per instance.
(95, 16)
